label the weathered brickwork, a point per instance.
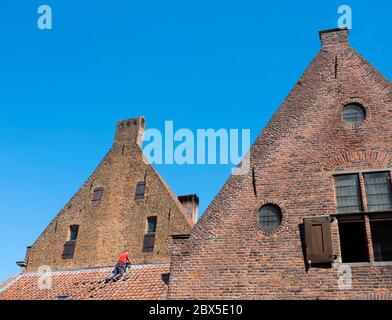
(228, 256)
(117, 221)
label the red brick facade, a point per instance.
(109, 216)
(293, 161)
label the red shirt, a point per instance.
(123, 257)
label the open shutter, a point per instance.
(318, 240)
(148, 243)
(69, 249)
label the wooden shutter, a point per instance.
(318, 240)
(148, 243)
(69, 249)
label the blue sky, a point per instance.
(202, 64)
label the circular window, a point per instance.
(353, 113)
(270, 217)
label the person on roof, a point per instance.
(120, 268)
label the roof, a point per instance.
(141, 282)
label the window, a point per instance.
(73, 232)
(61, 298)
(140, 188)
(69, 250)
(353, 113)
(382, 239)
(151, 224)
(378, 191)
(97, 194)
(348, 193)
(270, 217)
(353, 241)
(149, 237)
(148, 243)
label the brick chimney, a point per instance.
(334, 39)
(130, 131)
(191, 204)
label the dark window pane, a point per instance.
(348, 193)
(378, 191)
(270, 217)
(73, 232)
(382, 239)
(148, 243)
(97, 196)
(353, 113)
(140, 187)
(151, 224)
(353, 242)
(69, 249)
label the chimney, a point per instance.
(334, 39)
(130, 132)
(191, 204)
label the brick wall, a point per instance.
(118, 221)
(228, 256)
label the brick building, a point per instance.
(123, 204)
(311, 220)
(313, 217)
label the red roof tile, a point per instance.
(141, 282)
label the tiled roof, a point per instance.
(141, 282)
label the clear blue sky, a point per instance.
(202, 64)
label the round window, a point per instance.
(353, 113)
(270, 217)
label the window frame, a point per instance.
(367, 215)
(138, 195)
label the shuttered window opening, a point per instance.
(69, 249)
(348, 193)
(140, 188)
(378, 191)
(97, 194)
(318, 240)
(353, 241)
(148, 243)
(382, 239)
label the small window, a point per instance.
(97, 194)
(378, 191)
(69, 250)
(73, 232)
(270, 217)
(151, 224)
(382, 239)
(353, 241)
(62, 298)
(148, 243)
(140, 188)
(348, 193)
(353, 113)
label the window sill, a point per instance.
(363, 264)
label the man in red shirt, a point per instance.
(120, 268)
